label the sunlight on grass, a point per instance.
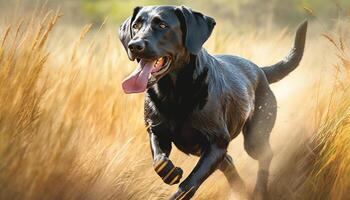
(67, 131)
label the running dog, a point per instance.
(200, 102)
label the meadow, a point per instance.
(67, 131)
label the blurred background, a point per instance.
(68, 131)
(242, 15)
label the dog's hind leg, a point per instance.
(236, 182)
(256, 133)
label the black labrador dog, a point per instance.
(197, 101)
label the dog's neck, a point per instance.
(188, 70)
(186, 87)
(189, 61)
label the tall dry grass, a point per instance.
(68, 132)
(329, 176)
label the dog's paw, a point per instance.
(166, 170)
(184, 193)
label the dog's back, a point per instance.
(198, 101)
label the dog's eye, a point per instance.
(162, 25)
(137, 25)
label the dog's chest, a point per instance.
(187, 139)
(174, 106)
(177, 121)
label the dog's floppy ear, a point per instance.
(196, 28)
(125, 30)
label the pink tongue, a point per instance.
(137, 81)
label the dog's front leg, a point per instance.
(206, 165)
(161, 147)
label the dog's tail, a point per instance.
(281, 69)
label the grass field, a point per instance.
(67, 131)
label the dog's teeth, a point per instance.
(152, 78)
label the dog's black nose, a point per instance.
(137, 46)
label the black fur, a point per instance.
(204, 101)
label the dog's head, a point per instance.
(159, 38)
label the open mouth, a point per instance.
(159, 68)
(146, 74)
